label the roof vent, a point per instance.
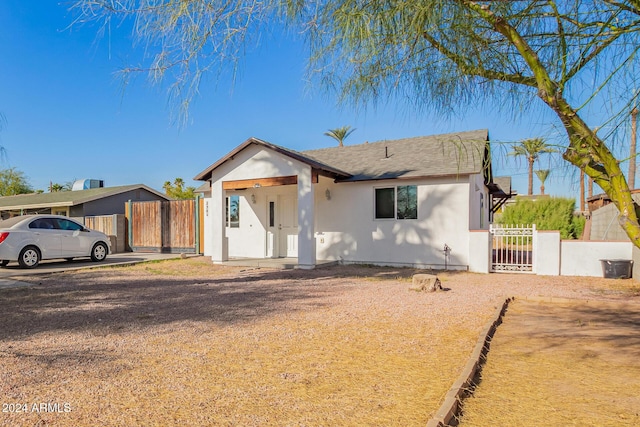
(86, 184)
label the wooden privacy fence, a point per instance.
(113, 226)
(166, 226)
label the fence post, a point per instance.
(547, 256)
(479, 251)
(197, 225)
(130, 224)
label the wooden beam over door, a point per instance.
(260, 182)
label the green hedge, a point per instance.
(547, 214)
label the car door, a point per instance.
(74, 242)
(46, 237)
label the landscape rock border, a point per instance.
(465, 382)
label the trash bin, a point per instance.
(617, 268)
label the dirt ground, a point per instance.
(561, 363)
(188, 343)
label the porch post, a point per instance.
(306, 220)
(219, 249)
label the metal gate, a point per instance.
(512, 248)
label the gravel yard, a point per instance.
(189, 343)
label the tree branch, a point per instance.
(476, 70)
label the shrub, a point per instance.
(547, 214)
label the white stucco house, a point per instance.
(389, 203)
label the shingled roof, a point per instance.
(450, 154)
(67, 198)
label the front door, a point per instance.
(288, 226)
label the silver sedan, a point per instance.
(29, 239)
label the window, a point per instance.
(65, 224)
(407, 206)
(385, 201)
(396, 202)
(232, 215)
(43, 224)
(272, 214)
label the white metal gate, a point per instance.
(512, 248)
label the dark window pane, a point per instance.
(272, 214)
(408, 202)
(43, 223)
(384, 203)
(65, 224)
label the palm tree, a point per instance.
(55, 188)
(542, 174)
(531, 149)
(340, 134)
(167, 187)
(179, 183)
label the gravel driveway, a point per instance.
(188, 343)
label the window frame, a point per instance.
(227, 215)
(395, 203)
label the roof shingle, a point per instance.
(66, 198)
(449, 154)
(437, 155)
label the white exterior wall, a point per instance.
(479, 251)
(306, 220)
(249, 240)
(547, 255)
(208, 230)
(582, 258)
(347, 230)
(257, 162)
(479, 203)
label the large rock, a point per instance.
(425, 282)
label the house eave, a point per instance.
(37, 206)
(321, 168)
(406, 177)
(73, 198)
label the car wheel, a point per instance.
(4, 262)
(99, 252)
(29, 257)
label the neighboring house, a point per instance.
(602, 223)
(204, 190)
(80, 203)
(394, 202)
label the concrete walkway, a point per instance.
(277, 263)
(13, 276)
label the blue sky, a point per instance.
(67, 116)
